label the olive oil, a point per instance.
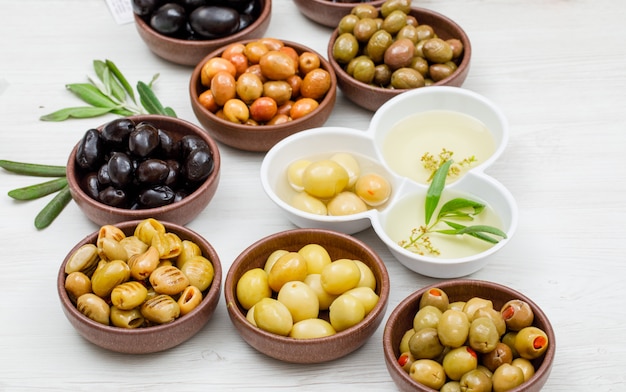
(431, 132)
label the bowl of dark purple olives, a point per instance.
(140, 286)
(329, 12)
(307, 295)
(464, 334)
(411, 48)
(145, 166)
(251, 94)
(184, 31)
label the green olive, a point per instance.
(459, 361)
(507, 377)
(378, 44)
(408, 31)
(392, 5)
(424, 32)
(109, 275)
(394, 22)
(420, 64)
(404, 342)
(365, 11)
(531, 342)
(252, 287)
(405, 78)
(451, 386)
(425, 344)
(495, 316)
(475, 303)
(346, 24)
(363, 69)
(382, 75)
(453, 328)
(509, 339)
(437, 50)
(476, 381)
(526, 366)
(428, 316)
(364, 29)
(345, 48)
(435, 297)
(428, 372)
(483, 335)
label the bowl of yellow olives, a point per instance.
(183, 32)
(140, 286)
(329, 12)
(253, 93)
(411, 48)
(466, 334)
(144, 166)
(307, 295)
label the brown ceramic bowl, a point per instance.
(190, 52)
(150, 339)
(401, 320)
(306, 350)
(372, 97)
(329, 12)
(259, 138)
(181, 212)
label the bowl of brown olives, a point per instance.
(307, 295)
(184, 31)
(251, 94)
(329, 12)
(144, 166)
(466, 334)
(140, 286)
(411, 48)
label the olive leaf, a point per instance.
(50, 212)
(435, 189)
(478, 231)
(76, 112)
(36, 191)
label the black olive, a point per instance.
(152, 171)
(213, 21)
(120, 169)
(103, 175)
(189, 143)
(191, 5)
(91, 185)
(113, 197)
(90, 150)
(168, 19)
(143, 140)
(169, 148)
(145, 7)
(115, 132)
(156, 196)
(198, 165)
(173, 176)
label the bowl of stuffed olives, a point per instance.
(144, 166)
(251, 94)
(140, 286)
(466, 334)
(184, 31)
(329, 12)
(411, 48)
(307, 295)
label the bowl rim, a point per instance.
(463, 65)
(541, 373)
(77, 191)
(265, 13)
(236, 314)
(211, 294)
(194, 82)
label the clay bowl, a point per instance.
(147, 339)
(328, 12)
(371, 97)
(401, 320)
(180, 212)
(314, 350)
(190, 52)
(262, 137)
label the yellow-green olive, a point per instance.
(311, 328)
(146, 229)
(507, 377)
(111, 274)
(476, 381)
(428, 316)
(392, 5)
(189, 299)
(77, 284)
(346, 24)
(483, 335)
(189, 249)
(160, 309)
(345, 48)
(199, 271)
(453, 328)
(94, 307)
(108, 240)
(133, 246)
(394, 21)
(531, 342)
(252, 286)
(428, 372)
(85, 259)
(378, 44)
(142, 265)
(128, 295)
(126, 318)
(168, 244)
(435, 297)
(407, 78)
(168, 280)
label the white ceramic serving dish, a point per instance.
(474, 184)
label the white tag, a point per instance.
(122, 10)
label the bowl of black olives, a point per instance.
(329, 12)
(411, 48)
(465, 334)
(184, 31)
(144, 166)
(140, 287)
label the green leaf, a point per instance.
(169, 111)
(33, 169)
(91, 95)
(36, 191)
(435, 189)
(99, 67)
(457, 208)
(76, 112)
(53, 208)
(149, 100)
(114, 86)
(477, 231)
(120, 77)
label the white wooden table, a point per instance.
(555, 67)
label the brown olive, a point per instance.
(382, 75)
(277, 65)
(439, 72)
(399, 54)
(498, 356)
(315, 84)
(223, 87)
(279, 90)
(437, 50)
(263, 109)
(364, 29)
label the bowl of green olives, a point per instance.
(144, 166)
(466, 334)
(411, 48)
(307, 295)
(141, 286)
(184, 31)
(251, 94)
(329, 12)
